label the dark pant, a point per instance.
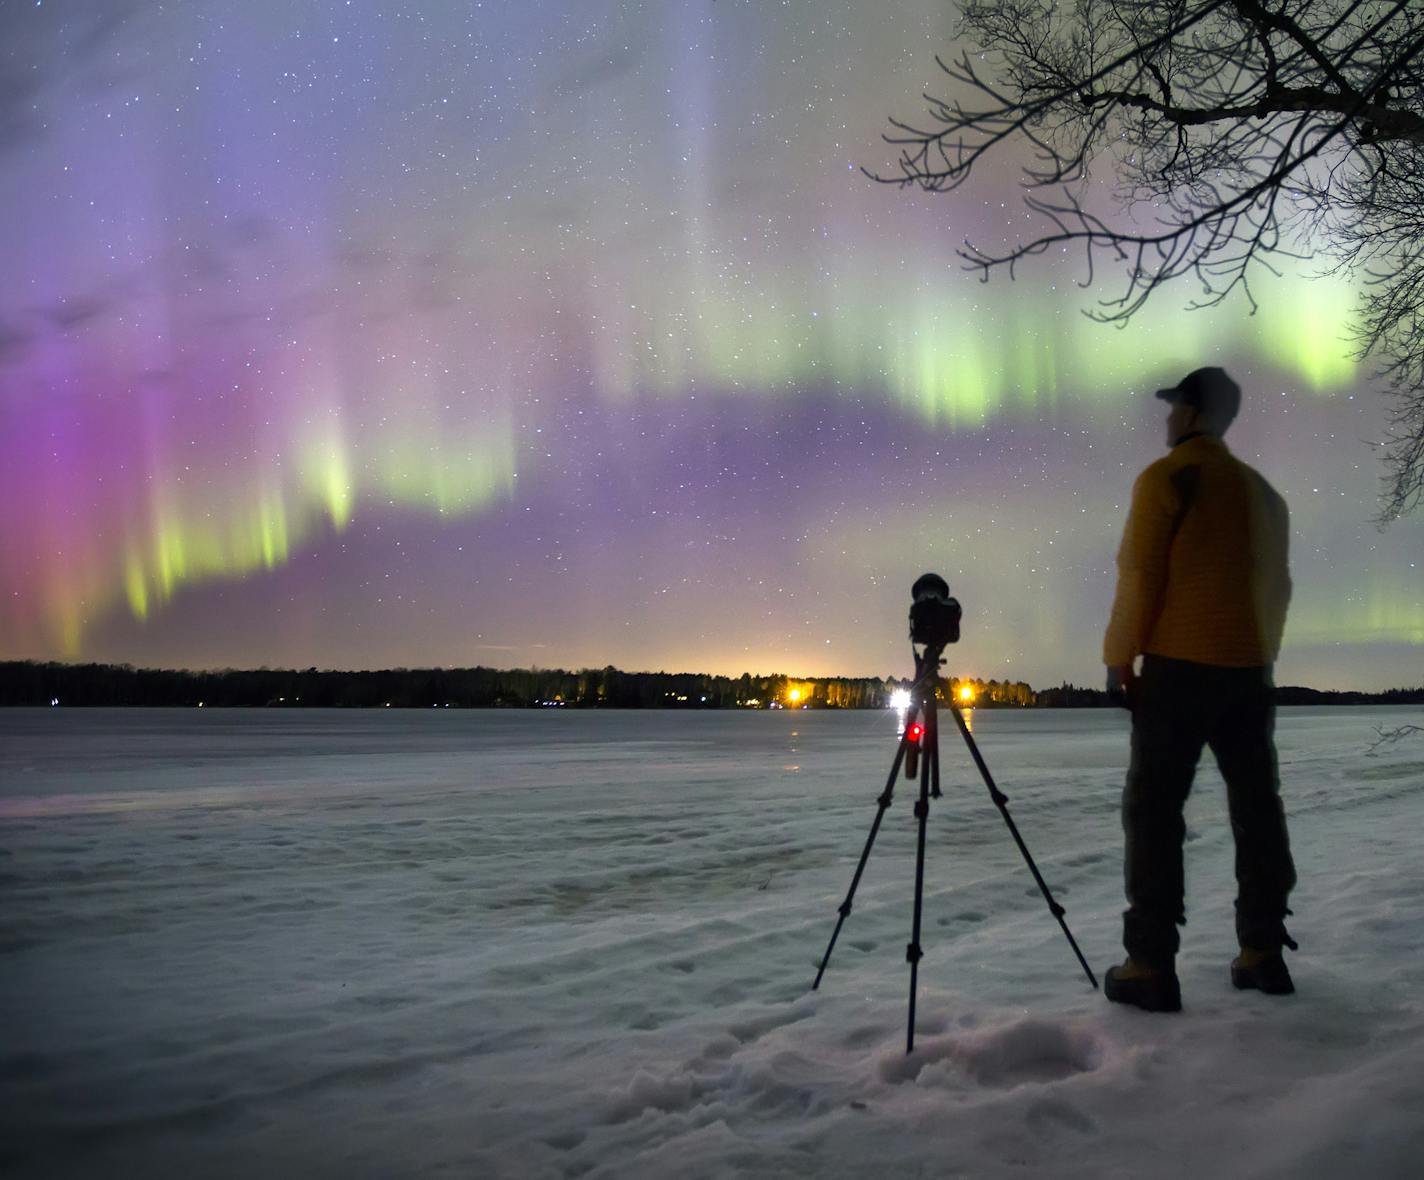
(1179, 707)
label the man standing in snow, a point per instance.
(1203, 585)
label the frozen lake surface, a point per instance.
(548, 944)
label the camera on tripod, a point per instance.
(934, 615)
(934, 622)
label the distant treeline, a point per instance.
(33, 683)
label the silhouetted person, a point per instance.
(1203, 585)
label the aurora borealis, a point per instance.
(360, 334)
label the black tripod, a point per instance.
(920, 744)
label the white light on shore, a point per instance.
(900, 698)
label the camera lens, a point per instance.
(929, 586)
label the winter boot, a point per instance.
(1264, 970)
(1153, 989)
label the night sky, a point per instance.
(568, 334)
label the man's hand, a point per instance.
(1122, 685)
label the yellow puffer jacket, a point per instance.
(1202, 570)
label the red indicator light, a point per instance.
(914, 732)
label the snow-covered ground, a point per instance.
(549, 944)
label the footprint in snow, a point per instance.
(1049, 1117)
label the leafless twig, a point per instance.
(1387, 737)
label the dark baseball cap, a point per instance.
(1209, 390)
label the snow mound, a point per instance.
(1024, 1051)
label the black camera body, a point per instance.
(934, 615)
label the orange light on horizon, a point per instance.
(966, 694)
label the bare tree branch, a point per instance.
(1387, 737)
(1249, 129)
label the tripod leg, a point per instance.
(928, 768)
(932, 742)
(845, 906)
(1001, 801)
